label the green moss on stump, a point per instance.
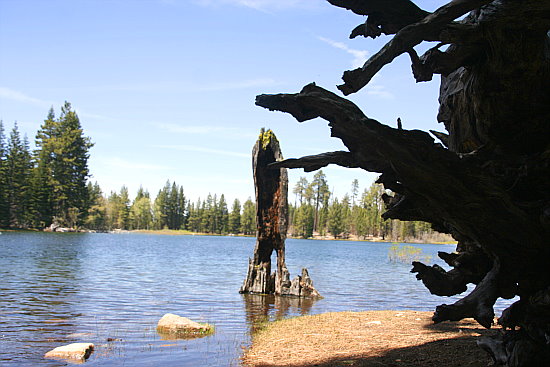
(266, 137)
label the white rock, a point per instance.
(79, 351)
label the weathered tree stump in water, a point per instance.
(271, 225)
(486, 183)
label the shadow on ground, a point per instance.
(453, 352)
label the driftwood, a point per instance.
(487, 182)
(271, 226)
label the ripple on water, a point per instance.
(111, 290)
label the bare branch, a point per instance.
(419, 167)
(428, 29)
(384, 16)
(314, 162)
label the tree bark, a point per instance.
(271, 187)
(487, 184)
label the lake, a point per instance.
(111, 290)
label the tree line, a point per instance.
(316, 211)
(49, 187)
(170, 209)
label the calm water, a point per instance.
(57, 289)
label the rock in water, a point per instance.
(76, 351)
(174, 324)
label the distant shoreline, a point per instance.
(315, 237)
(173, 232)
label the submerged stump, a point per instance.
(271, 186)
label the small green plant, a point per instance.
(407, 254)
(260, 324)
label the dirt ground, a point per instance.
(371, 338)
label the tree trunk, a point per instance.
(271, 222)
(487, 183)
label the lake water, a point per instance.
(111, 290)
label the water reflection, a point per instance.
(111, 290)
(40, 286)
(181, 336)
(260, 308)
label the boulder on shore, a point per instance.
(75, 351)
(182, 326)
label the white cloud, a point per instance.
(196, 129)
(378, 90)
(359, 59)
(185, 87)
(359, 56)
(194, 148)
(228, 132)
(263, 5)
(14, 95)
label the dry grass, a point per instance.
(372, 338)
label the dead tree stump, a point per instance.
(271, 186)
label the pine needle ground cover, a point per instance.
(371, 338)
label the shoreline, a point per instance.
(316, 237)
(173, 232)
(367, 338)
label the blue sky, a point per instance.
(166, 88)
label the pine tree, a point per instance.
(319, 189)
(181, 209)
(372, 201)
(354, 191)
(169, 207)
(346, 216)
(248, 218)
(335, 218)
(223, 214)
(300, 189)
(62, 161)
(207, 215)
(71, 164)
(4, 213)
(17, 173)
(304, 221)
(172, 206)
(359, 221)
(42, 205)
(235, 217)
(160, 220)
(123, 208)
(194, 222)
